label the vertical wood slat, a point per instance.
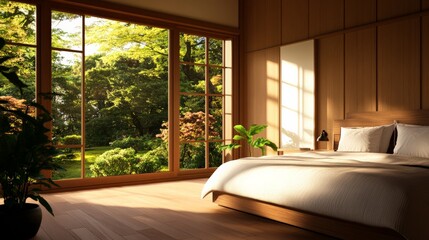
(360, 71)
(425, 4)
(330, 85)
(425, 62)
(262, 101)
(358, 12)
(399, 65)
(325, 16)
(262, 24)
(294, 20)
(392, 8)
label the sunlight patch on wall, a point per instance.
(297, 95)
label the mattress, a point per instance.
(376, 189)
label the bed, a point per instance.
(346, 194)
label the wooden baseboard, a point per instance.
(325, 225)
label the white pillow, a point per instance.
(413, 140)
(366, 139)
(385, 137)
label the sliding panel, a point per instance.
(297, 95)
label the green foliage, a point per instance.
(121, 162)
(143, 143)
(71, 140)
(158, 154)
(248, 136)
(25, 148)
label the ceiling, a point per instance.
(223, 12)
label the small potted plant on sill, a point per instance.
(25, 150)
(248, 135)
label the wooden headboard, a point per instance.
(370, 119)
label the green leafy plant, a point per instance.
(123, 162)
(249, 137)
(25, 148)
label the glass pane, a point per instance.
(215, 80)
(215, 156)
(66, 106)
(192, 155)
(126, 98)
(24, 61)
(70, 161)
(192, 48)
(228, 104)
(193, 104)
(215, 118)
(228, 53)
(227, 127)
(192, 126)
(192, 79)
(66, 30)
(215, 52)
(18, 22)
(228, 81)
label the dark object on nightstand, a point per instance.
(323, 137)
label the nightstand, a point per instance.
(282, 151)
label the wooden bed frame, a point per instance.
(318, 223)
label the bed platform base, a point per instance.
(317, 223)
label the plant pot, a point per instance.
(20, 223)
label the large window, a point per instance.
(205, 83)
(113, 90)
(111, 78)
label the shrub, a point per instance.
(121, 162)
(114, 162)
(159, 155)
(142, 143)
(71, 140)
(148, 164)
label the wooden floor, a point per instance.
(161, 211)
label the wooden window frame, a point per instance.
(175, 25)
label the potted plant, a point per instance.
(248, 136)
(25, 149)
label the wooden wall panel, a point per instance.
(329, 85)
(425, 4)
(392, 8)
(294, 20)
(262, 24)
(360, 87)
(262, 101)
(325, 16)
(399, 65)
(425, 62)
(358, 12)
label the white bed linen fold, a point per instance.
(370, 188)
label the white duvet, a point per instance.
(376, 189)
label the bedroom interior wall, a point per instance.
(370, 55)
